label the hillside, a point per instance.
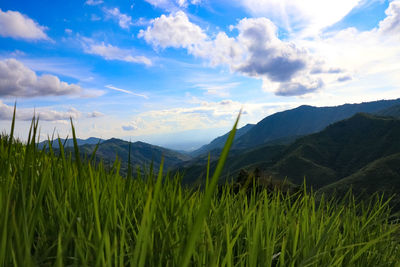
(338, 151)
(341, 150)
(195, 170)
(381, 175)
(393, 111)
(141, 153)
(304, 120)
(70, 142)
(219, 142)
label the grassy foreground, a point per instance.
(60, 211)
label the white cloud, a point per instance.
(391, 24)
(124, 21)
(44, 114)
(172, 5)
(200, 115)
(93, 2)
(367, 55)
(16, 25)
(17, 80)
(174, 30)
(125, 91)
(255, 52)
(305, 15)
(110, 52)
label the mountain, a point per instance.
(393, 111)
(341, 150)
(382, 174)
(70, 142)
(195, 170)
(304, 120)
(142, 154)
(219, 142)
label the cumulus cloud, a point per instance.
(110, 52)
(175, 31)
(391, 24)
(19, 81)
(16, 25)
(44, 114)
(299, 87)
(93, 2)
(124, 20)
(255, 52)
(369, 56)
(267, 55)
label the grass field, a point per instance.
(59, 210)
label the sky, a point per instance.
(176, 73)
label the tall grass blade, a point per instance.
(205, 206)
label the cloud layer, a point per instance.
(17, 80)
(44, 114)
(308, 16)
(110, 52)
(255, 52)
(16, 25)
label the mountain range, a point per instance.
(70, 142)
(361, 152)
(333, 148)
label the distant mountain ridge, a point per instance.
(338, 151)
(362, 151)
(393, 111)
(305, 120)
(286, 126)
(70, 143)
(219, 142)
(142, 154)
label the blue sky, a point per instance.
(177, 72)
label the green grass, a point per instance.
(57, 210)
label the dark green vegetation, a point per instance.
(393, 111)
(360, 152)
(219, 142)
(338, 151)
(382, 175)
(141, 154)
(70, 142)
(305, 120)
(59, 211)
(286, 126)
